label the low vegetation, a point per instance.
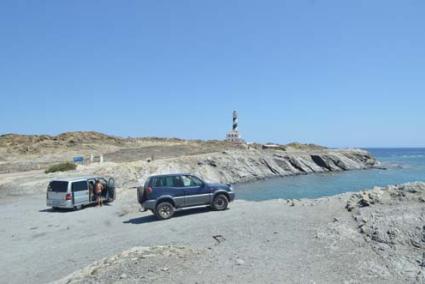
(62, 167)
(303, 147)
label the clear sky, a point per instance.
(338, 73)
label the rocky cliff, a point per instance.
(245, 165)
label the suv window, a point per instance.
(167, 181)
(178, 181)
(196, 181)
(148, 183)
(156, 182)
(79, 186)
(190, 181)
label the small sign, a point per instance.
(78, 159)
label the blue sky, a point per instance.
(338, 73)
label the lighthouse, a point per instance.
(235, 121)
(234, 134)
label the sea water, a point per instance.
(402, 165)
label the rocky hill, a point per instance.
(34, 143)
(30, 152)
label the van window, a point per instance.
(79, 186)
(58, 186)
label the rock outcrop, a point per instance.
(136, 265)
(392, 221)
(246, 165)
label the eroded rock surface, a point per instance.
(138, 264)
(392, 221)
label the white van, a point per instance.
(74, 193)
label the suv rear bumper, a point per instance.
(149, 204)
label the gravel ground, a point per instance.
(308, 241)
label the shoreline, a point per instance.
(241, 187)
(307, 174)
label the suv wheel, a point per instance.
(220, 202)
(164, 210)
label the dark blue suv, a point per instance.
(163, 194)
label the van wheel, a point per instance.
(220, 202)
(164, 210)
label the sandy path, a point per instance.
(274, 240)
(7, 177)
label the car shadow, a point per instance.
(67, 210)
(180, 213)
(58, 210)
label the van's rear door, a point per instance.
(57, 191)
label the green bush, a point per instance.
(62, 167)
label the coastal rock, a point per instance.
(151, 264)
(388, 194)
(392, 221)
(245, 165)
(364, 199)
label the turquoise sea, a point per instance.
(403, 165)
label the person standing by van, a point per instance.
(98, 189)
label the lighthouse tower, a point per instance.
(234, 135)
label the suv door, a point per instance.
(196, 193)
(170, 186)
